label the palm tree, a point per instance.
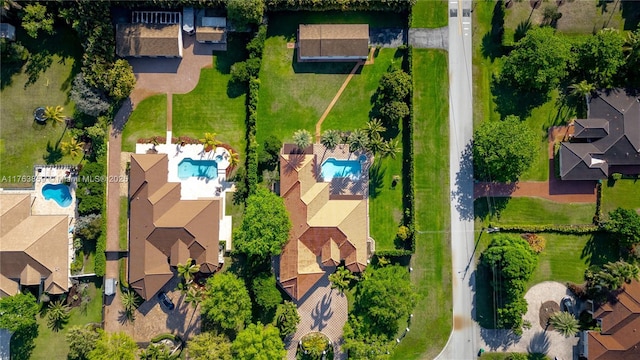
(581, 89)
(623, 270)
(194, 296)
(72, 147)
(376, 144)
(565, 323)
(357, 140)
(187, 270)
(374, 126)
(340, 279)
(54, 114)
(57, 315)
(130, 302)
(302, 139)
(391, 148)
(209, 141)
(234, 159)
(330, 139)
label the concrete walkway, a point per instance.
(429, 38)
(323, 310)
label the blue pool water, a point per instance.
(58, 193)
(333, 168)
(198, 168)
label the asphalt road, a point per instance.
(464, 340)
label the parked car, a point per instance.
(165, 300)
(567, 305)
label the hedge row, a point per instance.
(342, 5)
(408, 200)
(562, 229)
(101, 247)
(394, 253)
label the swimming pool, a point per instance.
(58, 193)
(198, 168)
(333, 168)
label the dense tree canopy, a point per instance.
(600, 57)
(36, 19)
(265, 292)
(538, 61)
(361, 344)
(386, 297)
(632, 52)
(265, 226)
(91, 188)
(258, 342)
(245, 12)
(625, 223)
(395, 85)
(287, 318)
(120, 80)
(227, 303)
(502, 150)
(114, 346)
(18, 312)
(81, 340)
(209, 346)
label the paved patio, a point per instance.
(323, 310)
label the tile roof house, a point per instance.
(211, 29)
(619, 338)
(327, 229)
(34, 249)
(150, 34)
(333, 42)
(609, 137)
(164, 230)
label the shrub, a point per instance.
(536, 242)
(403, 233)
(265, 292)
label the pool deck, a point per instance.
(346, 185)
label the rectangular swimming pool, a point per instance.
(333, 168)
(197, 168)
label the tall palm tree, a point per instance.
(302, 139)
(357, 140)
(188, 270)
(330, 139)
(376, 144)
(341, 278)
(130, 302)
(374, 126)
(72, 147)
(391, 148)
(565, 323)
(608, 280)
(234, 158)
(625, 271)
(209, 141)
(54, 114)
(194, 296)
(57, 315)
(581, 89)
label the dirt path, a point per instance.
(335, 100)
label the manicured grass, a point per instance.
(505, 356)
(53, 345)
(385, 208)
(431, 275)
(215, 105)
(233, 210)
(147, 120)
(124, 222)
(429, 14)
(352, 108)
(523, 211)
(43, 81)
(624, 193)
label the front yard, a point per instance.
(530, 211)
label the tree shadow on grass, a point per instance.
(510, 101)
(236, 88)
(492, 41)
(489, 208)
(236, 51)
(600, 249)
(376, 179)
(21, 343)
(37, 64)
(54, 153)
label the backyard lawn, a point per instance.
(531, 211)
(44, 81)
(624, 193)
(53, 345)
(147, 120)
(429, 14)
(431, 275)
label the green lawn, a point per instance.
(215, 105)
(429, 14)
(431, 262)
(44, 81)
(124, 222)
(531, 211)
(147, 120)
(505, 356)
(233, 210)
(385, 202)
(53, 345)
(621, 194)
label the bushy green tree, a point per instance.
(386, 297)
(270, 152)
(114, 346)
(120, 80)
(502, 150)
(258, 342)
(91, 188)
(395, 85)
(287, 318)
(245, 12)
(209, 346)
(625, 223)
(600, 57)
(394, 111)
(36, 18)
(227, 303)
(361, 344)
(18, 312)
(265, 226)
(89, 100)
(265, 292)
(538, 61)
(81, 340)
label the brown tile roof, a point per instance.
(165, 230)
(609, 137)
(32, 247)
(148, 40)
(324, 231)
(619, 337)
(333, 40)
